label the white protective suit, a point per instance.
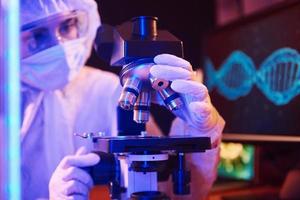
(86, 104)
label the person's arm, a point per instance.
(203, 166)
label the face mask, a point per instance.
(53, 68)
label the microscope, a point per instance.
(133, 164)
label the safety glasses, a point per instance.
(48, 32)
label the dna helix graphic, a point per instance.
(278, 77)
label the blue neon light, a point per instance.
(278, 76)
(13, 93)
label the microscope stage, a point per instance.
(132, 144)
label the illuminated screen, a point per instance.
(237, 161)
(252, 71)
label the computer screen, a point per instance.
(252, 71)
(237, 161)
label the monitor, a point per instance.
(237, 161)
(252, 71)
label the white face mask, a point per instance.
(53, 68)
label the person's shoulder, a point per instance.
(93, 74)
(95, 78)
(91, 80)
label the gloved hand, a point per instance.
(69, 181)
(200, 117)
(197, 117)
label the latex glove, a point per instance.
(200, 117)
(69, 181)
(197, 117)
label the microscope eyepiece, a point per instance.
(144, 26)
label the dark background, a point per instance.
(188, 21)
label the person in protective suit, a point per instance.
(61, 96)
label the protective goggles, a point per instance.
(48, 32)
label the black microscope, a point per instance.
(146, 159)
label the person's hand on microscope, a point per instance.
(69, 181)
(199, 117)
